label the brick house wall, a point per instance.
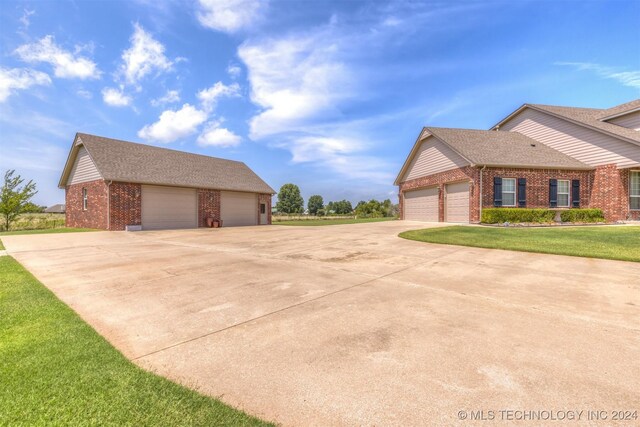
(125, 205)
(266, 199)
(95, 216)
(208, 206)
(624, 179)
(606, 187)
(537, 184)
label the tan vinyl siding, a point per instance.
(588, 146)
(629, 121)
(84, 170)
(433, 156)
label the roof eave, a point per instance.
(585, 167)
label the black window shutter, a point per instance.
(553, 193)
(497, 191)
(522, 192)
(575, 193)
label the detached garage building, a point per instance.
(112, 184)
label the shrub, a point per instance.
(582, 215)
(500, 215)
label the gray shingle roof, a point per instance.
(59, 208)
(619, 109)
(592, 117)
(130, 162)
(499, 148)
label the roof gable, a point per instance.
(125, 161)
(586, 117)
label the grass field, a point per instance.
(36, 221)
(331, 221)
(56, 370)
(620, 243)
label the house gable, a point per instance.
(580, 142)
(83, 169)
(431, 156)
(629, 120)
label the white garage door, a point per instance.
(421, 205)
(238, 209)
(457, 202)
(168, 207)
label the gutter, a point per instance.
(109, 205)
(481, 193)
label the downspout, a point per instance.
(481, 193)
(109, 205)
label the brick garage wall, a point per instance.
(537, 184)
(466, 173)
(266, 199)
(208, 206)
(125, 205)
(96, 214)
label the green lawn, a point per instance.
(314, 222)
(56, 370)
(621, 242)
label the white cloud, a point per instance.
(626, 78)
(65, 64)
(214, 135)
(83, 93)
(209, 97)
(230, 15)
(145, 56)
(294, 79)
(174, 125)
(234, 71)
(115, 97)
(12, 79)
(171, 97)
(25, 19)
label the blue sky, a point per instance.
(327, 95)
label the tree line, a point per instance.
(290, 201)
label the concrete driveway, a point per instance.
(351, 325)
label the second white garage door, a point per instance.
(238, 209)
(421, 205)
(457, 202)
(168, 207)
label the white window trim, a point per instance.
(515, 193)
(568, 193)
(632, 195)
(85, 198)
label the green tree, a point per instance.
(14, 197)
(289, 199)
(314, 204)
(343, 207)
(330, 208)
(31, 207)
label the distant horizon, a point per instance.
(329, 95)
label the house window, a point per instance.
(508, 191)
(564, 188)
(84, 199)
(263, 208)
(634, 190)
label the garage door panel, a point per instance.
(238, 209)
(421, 205)
(168, 207)
(457, 202)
